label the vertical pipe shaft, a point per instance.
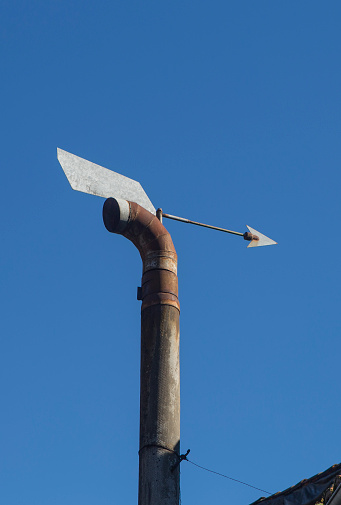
(159, 406)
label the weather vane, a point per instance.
(93, 179)
(129, 212)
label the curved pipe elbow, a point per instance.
(155, 245)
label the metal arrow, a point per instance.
(93, 179)
(255, 237)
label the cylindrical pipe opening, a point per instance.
(116, 215)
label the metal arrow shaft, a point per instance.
(183, 220)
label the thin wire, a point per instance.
(226, 477)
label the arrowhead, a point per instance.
(96, 180)
(263, 240)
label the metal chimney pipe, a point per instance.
(159, 471)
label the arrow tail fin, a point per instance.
(87, 177)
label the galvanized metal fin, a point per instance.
(87, 177)
(263, 240)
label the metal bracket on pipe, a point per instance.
(159, 214)
(182, 457)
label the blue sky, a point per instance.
(227, 113)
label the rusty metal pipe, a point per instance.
(160, 376)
